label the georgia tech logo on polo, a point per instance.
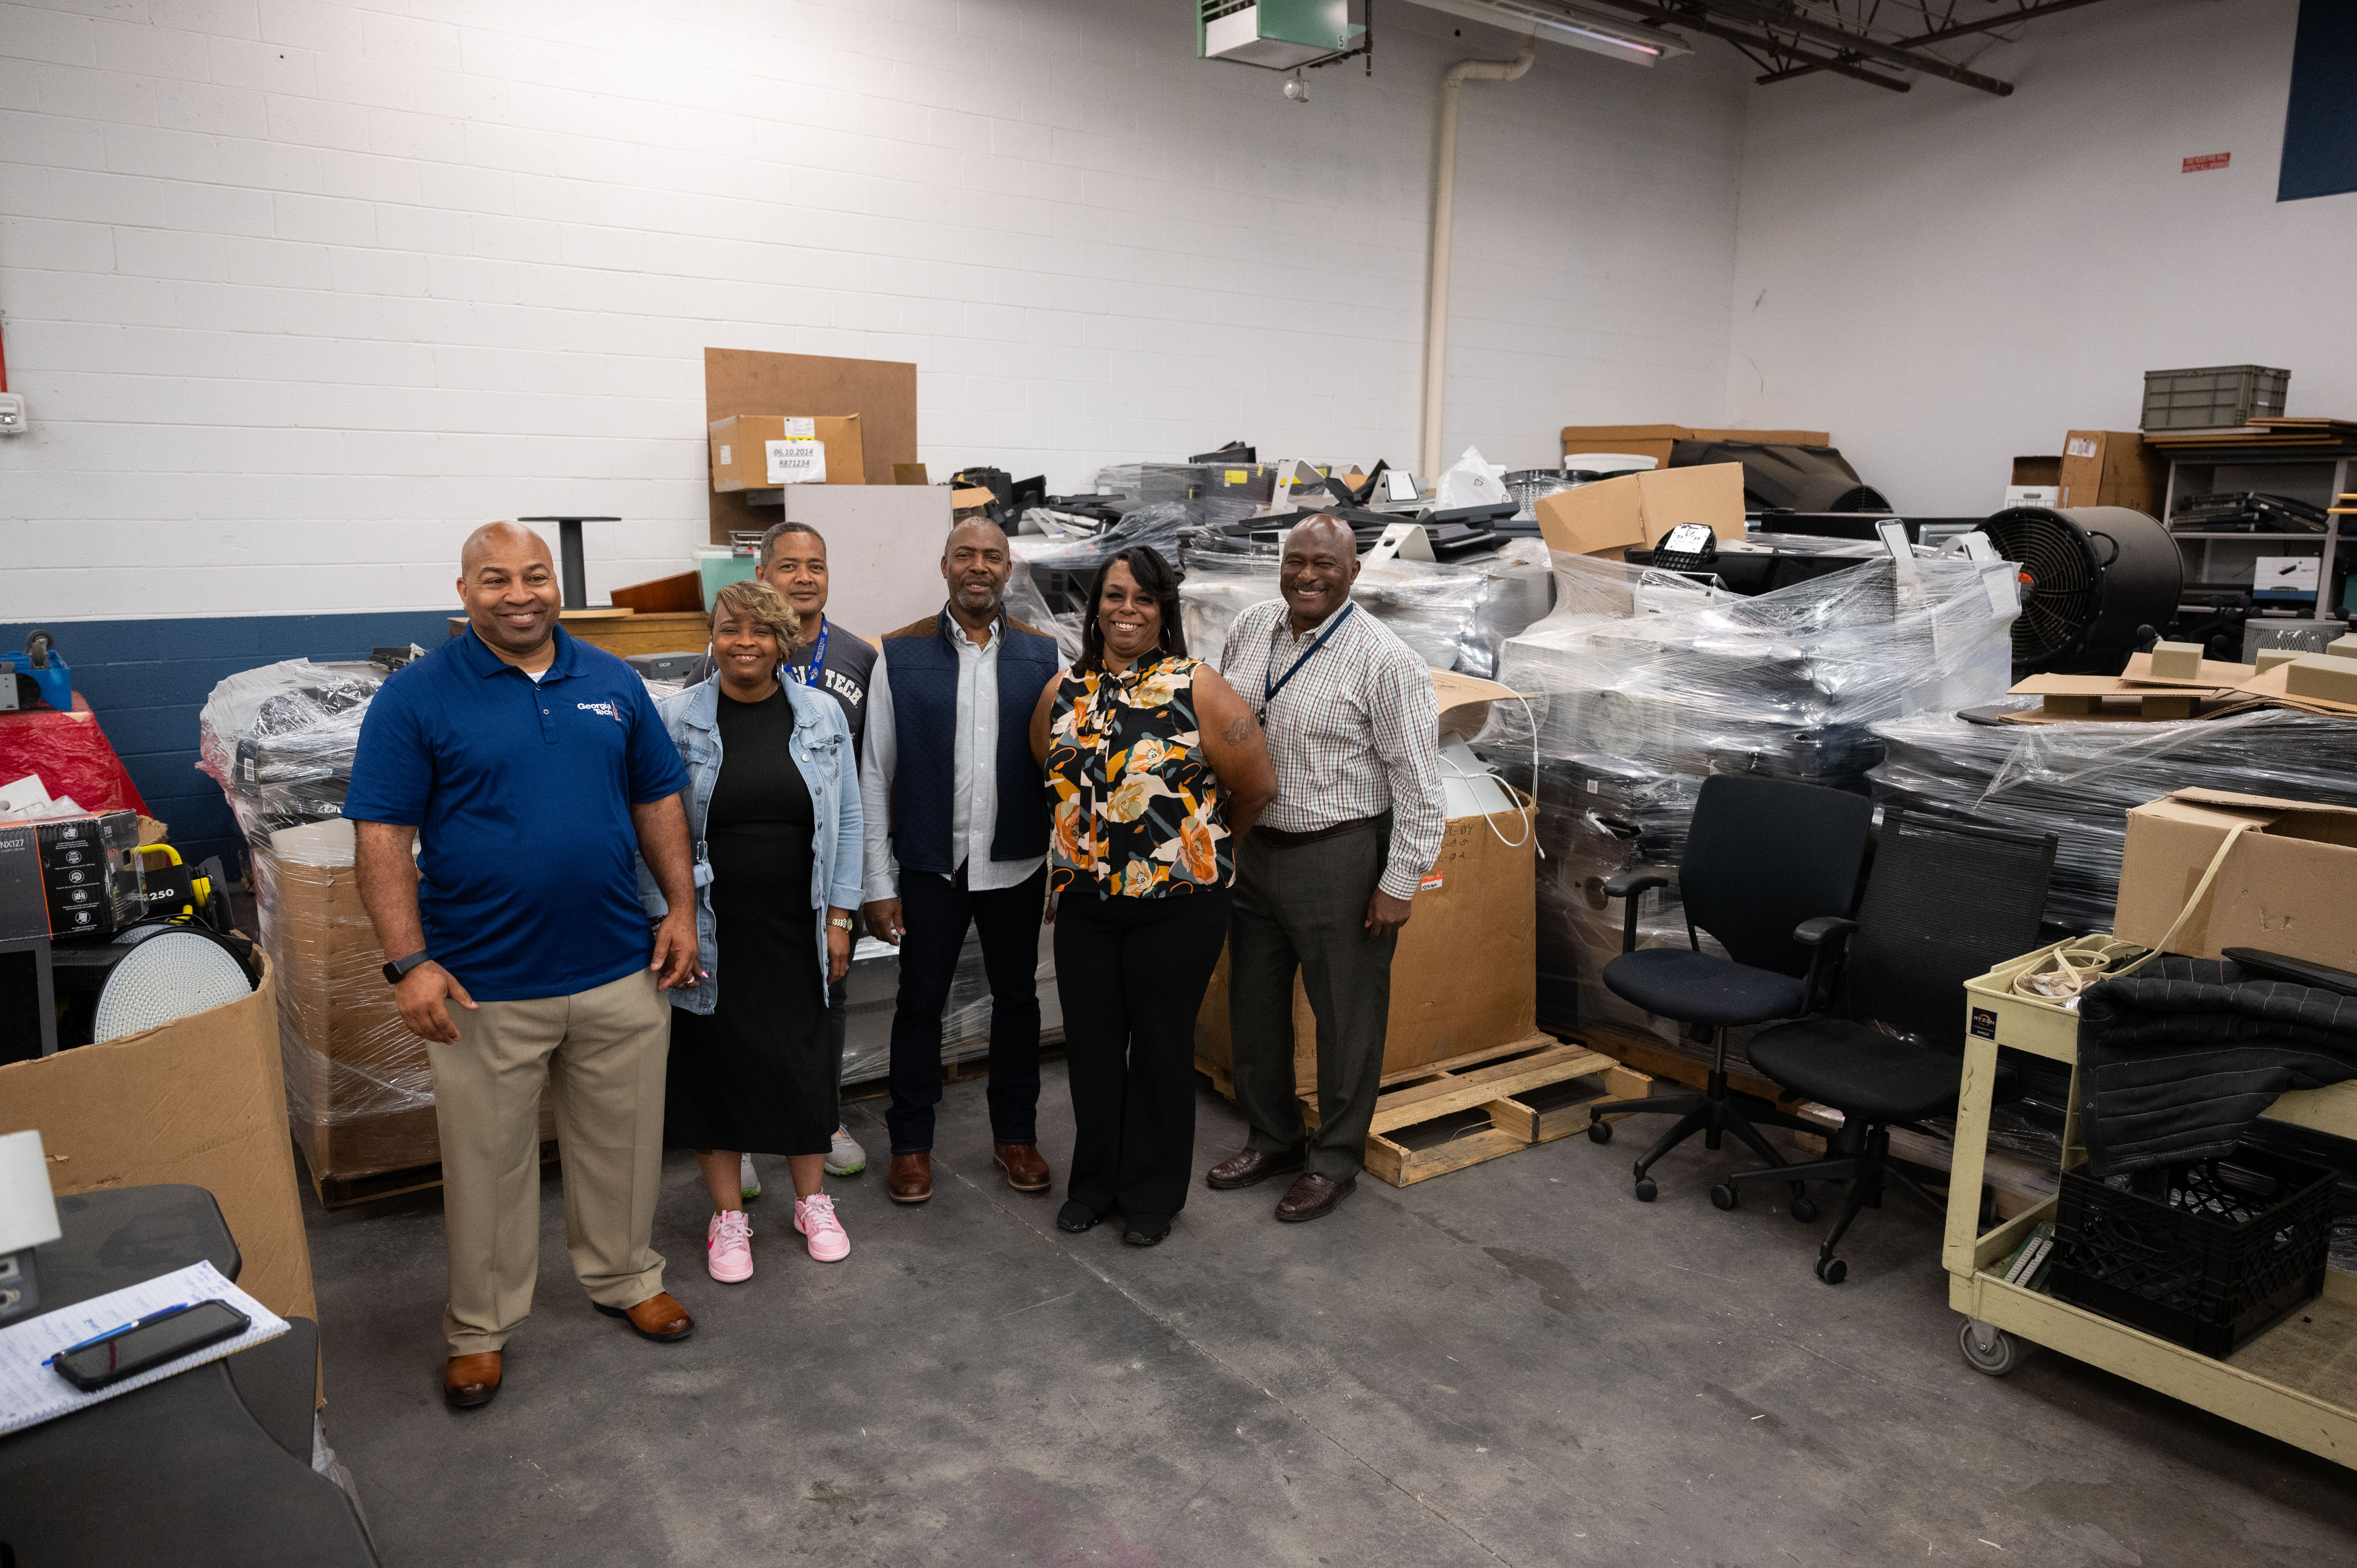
(607, 709)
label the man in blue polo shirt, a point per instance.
(531, 769)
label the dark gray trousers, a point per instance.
(1306, 908)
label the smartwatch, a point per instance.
(398, 967)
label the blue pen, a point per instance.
(157, 1316)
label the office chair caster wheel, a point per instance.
(1803, 1209)
(1599, 1132)
(1986, 1348)
(1833, 1271)
(1722, 1196)
(1646, 1190)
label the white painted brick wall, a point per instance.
(300, 291)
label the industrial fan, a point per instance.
(2090, 577)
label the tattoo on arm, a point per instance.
(1241, 730)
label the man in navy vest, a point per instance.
(957, 834)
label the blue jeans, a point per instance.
(936, 911)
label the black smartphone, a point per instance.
(150, 1342)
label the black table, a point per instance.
(212, 1466)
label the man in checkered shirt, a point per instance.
(1326, 881)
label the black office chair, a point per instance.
(1764, 857)
(1943, 904)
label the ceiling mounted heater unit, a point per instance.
(1558, 22)
(1280, 35)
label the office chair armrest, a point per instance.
(1822, 929)
(1631, 885)
(1818, 935)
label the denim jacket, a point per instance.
(822, 747)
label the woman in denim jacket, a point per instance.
(777, 838)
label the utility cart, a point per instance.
(2297, 1381)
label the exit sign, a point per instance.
(2206, 161)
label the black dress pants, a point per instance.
(1131, 974)
(936, 911)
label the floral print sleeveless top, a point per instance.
(1135, 804)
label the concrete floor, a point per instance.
(1515, 1364)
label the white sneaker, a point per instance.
(729, 1246)
(815, 1217)
(845, 1157)
(749, 1183)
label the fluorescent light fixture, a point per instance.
(1564, 24)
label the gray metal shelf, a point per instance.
(2337, 463)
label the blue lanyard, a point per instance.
(1272, 683)
(818, 658)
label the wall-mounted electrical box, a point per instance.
(12, 414)
(1278, 34)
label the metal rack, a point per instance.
(2297, 1382)
(2331, 480)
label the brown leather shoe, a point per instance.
(1312, 1197)
(1025, 1170)
(469, 1381)
(1249, 1169)
(659, 1318)
(910, 1181)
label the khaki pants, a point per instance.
(601, 1053)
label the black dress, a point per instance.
(758, 1073)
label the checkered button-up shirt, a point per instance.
(1353, 734)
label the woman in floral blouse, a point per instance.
(1153, 764)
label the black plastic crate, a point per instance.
(2207, 1254)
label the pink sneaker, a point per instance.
(729, 1246)
(815, 1217)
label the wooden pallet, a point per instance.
(1443, 1119)
(344, 1191)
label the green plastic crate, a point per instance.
(2213, 397)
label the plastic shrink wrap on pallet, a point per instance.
(2078, 780)
(279, 740)
(1457, 615)
(1644, 683)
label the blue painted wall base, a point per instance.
(147, 680)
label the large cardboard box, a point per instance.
(2113, 467)
(2290, 885)
(199, 1102)
(359, 1089)
(1465, 974)
(1636, 509)
(1655, 441)
(765, 451)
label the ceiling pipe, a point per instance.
(1444, 200)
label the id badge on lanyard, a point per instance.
(1272, 683)
(818, 660)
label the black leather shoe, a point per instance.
(1249, 1169)
(1146, 1229)
(1077, 1217)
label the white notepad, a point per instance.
(32, 1392)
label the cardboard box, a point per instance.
(765, 451)
(2322, 676)
(1654, 441)
(1465, 974)
(1636, 509)
(2038, 472)
(2033, 495)
(2285, 887)
(2113, 467)
(199, 1102)
(359, 1090)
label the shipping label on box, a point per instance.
(796, 460)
